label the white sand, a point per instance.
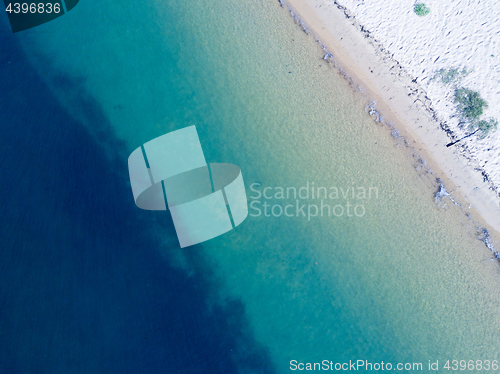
(456, 34)
(383, 45)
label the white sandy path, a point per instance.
(457, 33)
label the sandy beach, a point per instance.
(404, 94)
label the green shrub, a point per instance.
(470, 104)
(421, 9)
(451, 75)
(485, 126)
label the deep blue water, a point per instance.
(83, 288)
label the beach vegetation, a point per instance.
(451, 75)
(421, 9)
(485, 126)
(470, 104)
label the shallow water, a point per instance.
(100, 286)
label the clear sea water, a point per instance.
(91, 284)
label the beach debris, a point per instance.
(373, 112)
(328, 57)
(421, 164)
(484, 236)
(497, 255)
(441, 192)
(482, 233)
(456, 141)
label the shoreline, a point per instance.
(399, 101)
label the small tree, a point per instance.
(470, 104)
(485, 126)
(421, 9)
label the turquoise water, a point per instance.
(406, 281)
